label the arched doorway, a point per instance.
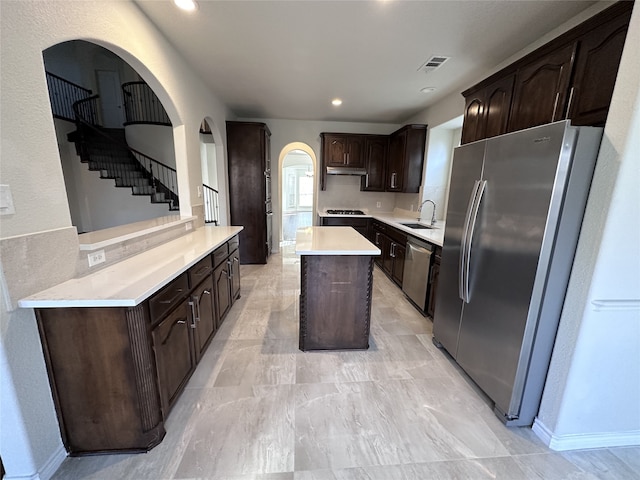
(115, 138)
(297, 190)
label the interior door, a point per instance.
(520, 171)
(110, 98)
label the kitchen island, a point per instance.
(336, 278)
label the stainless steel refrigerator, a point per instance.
(516, 204)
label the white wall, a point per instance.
(30, 443)
(155, 141)
(342, 191)
(439, 154)
(592, 393)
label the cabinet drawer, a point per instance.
(200, 271)
(397, 235)
(219, 255)
(167, 298)
(344, 222)
(233, 244)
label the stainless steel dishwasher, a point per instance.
(415, 279)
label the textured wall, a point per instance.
(30, 443)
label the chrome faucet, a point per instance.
(433, 216)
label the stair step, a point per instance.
(143, 190)
(132, 182)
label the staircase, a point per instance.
(105, 150)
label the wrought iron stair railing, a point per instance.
(211, 205)
(141, 105)
(106, 151)
(63, 94)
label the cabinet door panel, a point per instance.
(497, 106)
(399, 252)
(397, 146)
(335, 151)
(473, 126)
(204, 306)
(173, 353)
(597, 62)
(355, 152)
(387, 259)
(375, 163)
(234, 264)
(541, 90)
(222, 291)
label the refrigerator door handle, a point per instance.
(463, 245)
(470, 231)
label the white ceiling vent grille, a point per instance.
(433, 63)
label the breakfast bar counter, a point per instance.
(335, 288)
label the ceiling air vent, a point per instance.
(433, 63)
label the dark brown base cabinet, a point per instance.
(361, 225)
(116, 372)
(570, 77)
(392, 243)
(434, 276)
(335, 301)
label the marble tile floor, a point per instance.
(258, 408)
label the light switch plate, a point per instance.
(6, 201)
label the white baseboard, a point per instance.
(47, 470)
(53, 464)
(579, 441)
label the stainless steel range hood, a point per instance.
(346, 171)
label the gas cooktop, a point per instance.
(345, 212)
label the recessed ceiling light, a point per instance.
(336, 102)
(187, 5)
(428, 89)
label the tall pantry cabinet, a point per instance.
(249, 161)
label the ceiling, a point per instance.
(289, 59)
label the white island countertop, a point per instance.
(133, 280)
(333, 241)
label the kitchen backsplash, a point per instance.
(343, 191)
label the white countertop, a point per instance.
(110, 236)
(431, 235)
(333, 241)
(131, 281)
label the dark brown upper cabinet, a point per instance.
(406, 159)
(541, 90)
(375, 163)
(343, 150)
(595, 71)
(570, 77)
(486, 111)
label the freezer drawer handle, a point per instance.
(472, 228)
(463, 246)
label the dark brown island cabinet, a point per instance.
(336, 281)
(116, 372)
(571, 77)
(249, 164)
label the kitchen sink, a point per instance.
(418, 226)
